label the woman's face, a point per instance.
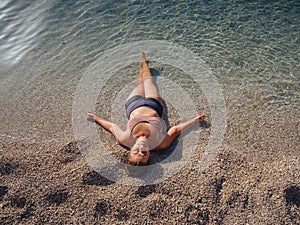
(140, 151)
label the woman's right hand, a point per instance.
(201, 117)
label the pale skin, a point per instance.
(142, 139)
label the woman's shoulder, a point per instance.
(127, 139)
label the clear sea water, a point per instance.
(252, 47)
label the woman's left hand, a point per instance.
(90, 115)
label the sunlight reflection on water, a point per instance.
(20, 23)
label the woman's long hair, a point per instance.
(135, 169)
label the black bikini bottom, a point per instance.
(138, 101)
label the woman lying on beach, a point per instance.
(144, 133)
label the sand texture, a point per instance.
(253, 180)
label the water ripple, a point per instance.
(20, 23)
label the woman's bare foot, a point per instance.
(144, 59)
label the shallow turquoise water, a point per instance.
(46, 46)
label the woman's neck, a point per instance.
(141, 129)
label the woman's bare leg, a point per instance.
(139, 89)
(149, 87)
(145, 67)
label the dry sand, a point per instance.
(255, 178)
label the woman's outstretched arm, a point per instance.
(113, 128)
(173, 132)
